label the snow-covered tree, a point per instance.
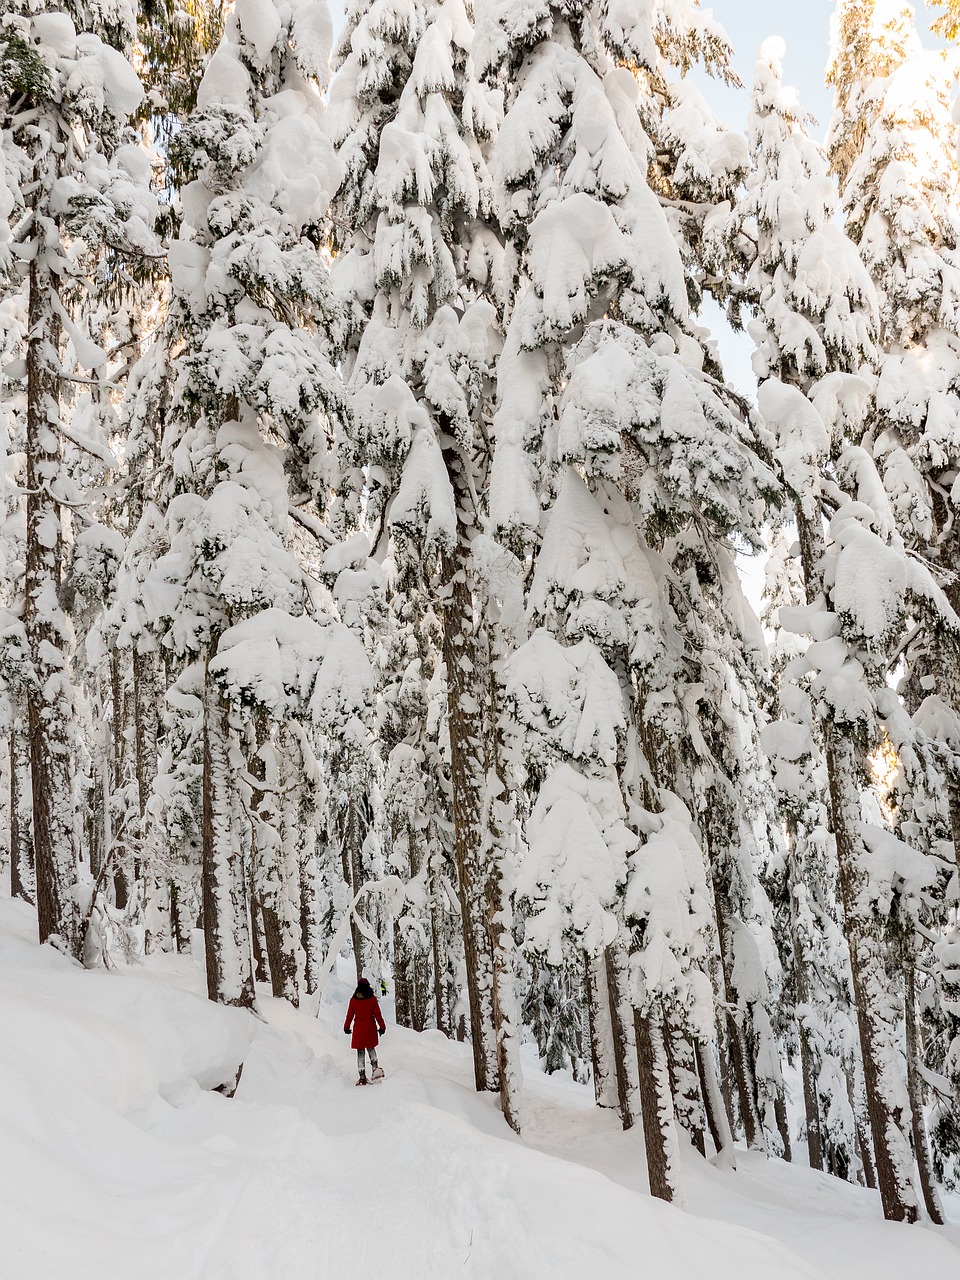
(815, 331)
(819, 977)
(419, 261)
(15, 668)
(68, 95)
(411, 719)
(901, 197)
(601, 373)
(251, 333)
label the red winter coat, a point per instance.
(367, 1019)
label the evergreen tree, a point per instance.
(814, 318)
(902, 200)
(419, 259)
(633, 558)
(68, 96)
(13, 652)
(411, 720)
(254, 329)
(813, 942)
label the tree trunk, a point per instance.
(624, 1032)
(441, 1004)
(179, 927)
(718, 1120)
(411, 982)
(866, 1157)
(685, 1085)
(261, 963)
(283, 963)
(226, 924)
(402, 979)
(95, 820)
(886, 1099)
(118, 724)
(505, 1011)
(351, 862)
(144, 714)
(48, 632)
(309, 920)
(22, 871)
(811, 1103)
(921, 1146)
(420, 1004)
(274, 866)
(724, 1068)
(602, 1057)
(739, 1054)
(462, 661)
(887, 1102)
(659, 1129)
(783, 1125)
(411, 966)
(504, 1002)
(953, 795)
(499, 822)
(145, 727)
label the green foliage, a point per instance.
(215, 142)
(552, 1011)
(176, 38)
(22, 70)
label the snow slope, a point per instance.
(119, 1160)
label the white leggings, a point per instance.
(373, 1058)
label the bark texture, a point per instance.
(50, 702)
(22, 866)
(226, 926)
(659, 1127)
(462, 660)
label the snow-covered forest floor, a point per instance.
(120, 1159)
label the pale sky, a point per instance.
(805, 27)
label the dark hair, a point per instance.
(364, 990)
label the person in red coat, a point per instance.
(363, 1013)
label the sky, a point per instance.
(805, 27)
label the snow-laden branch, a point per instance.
(352, 915)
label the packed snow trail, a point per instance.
(120, 1160)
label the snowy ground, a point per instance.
(118, 1161)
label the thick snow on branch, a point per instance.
(575, 864)
(667, 896)
(290, 666)
(567, 696)
(424, 505)
(894, 871)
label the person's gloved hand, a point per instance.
(346, 1031)
(383, 1031)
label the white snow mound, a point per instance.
(119, 1161)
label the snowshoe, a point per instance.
(378, 1073)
